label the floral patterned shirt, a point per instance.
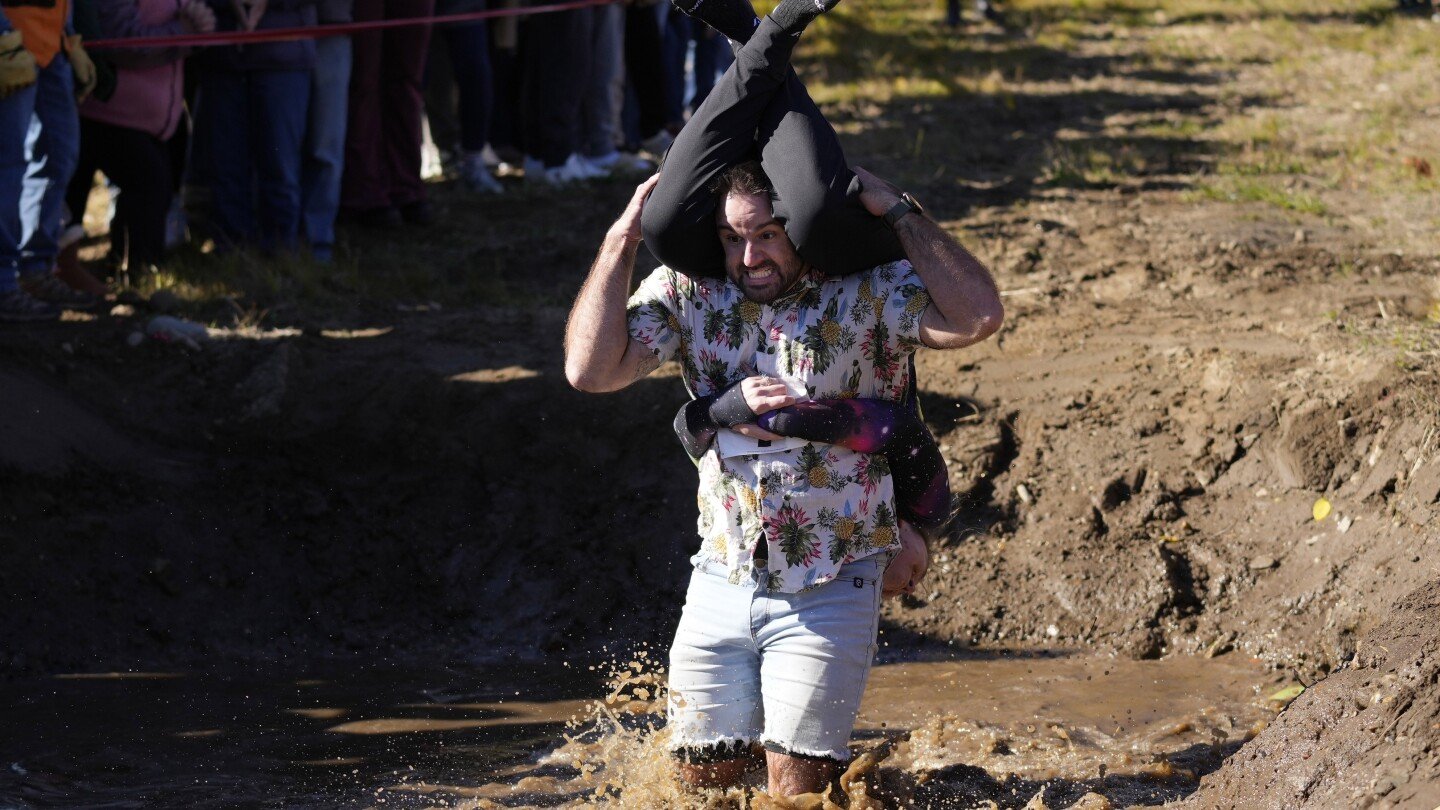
(817, 506)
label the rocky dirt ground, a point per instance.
(1214, 225)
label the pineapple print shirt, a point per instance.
(817, 506)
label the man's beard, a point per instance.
(770, 288)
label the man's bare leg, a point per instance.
(724, 774)
(791, 776)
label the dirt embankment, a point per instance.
(430, 487)
(1363, 737)
(1141, 451)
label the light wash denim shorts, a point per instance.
(783, 669)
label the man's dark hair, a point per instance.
(744, 178)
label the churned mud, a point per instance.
(1205, 445)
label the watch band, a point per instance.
(905, 205)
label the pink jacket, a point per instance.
(149, 84)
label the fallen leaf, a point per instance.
(1321, 509)
(1288, 694)
(1419, 165)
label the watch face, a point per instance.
(914, 203)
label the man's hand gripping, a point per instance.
(762, 395)
(627, 226)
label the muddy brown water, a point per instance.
(550, 736)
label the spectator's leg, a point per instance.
(506, 65)
(678, 220)
(15, 113)
(712, 54)
(139, 164)
(675, 43)
(643, 58)
(402, 72)
(77, 194)
(600, 108)
(280, 106)
(225, 110)
(556, 54)
(469, 48)
(441, 88)
(325, 144)
(365, 187)
(52, 148)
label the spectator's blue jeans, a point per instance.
(324, 161)
(600, 108)
(469, 46)
(256, 124)
(42, 158)
(15, 113)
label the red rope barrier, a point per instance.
(317, 31)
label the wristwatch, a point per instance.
(903, 206)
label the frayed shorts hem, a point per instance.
(841, 756)
(692, 753)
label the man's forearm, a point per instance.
(596, 335)
(960, 288)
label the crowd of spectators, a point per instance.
(266, 145)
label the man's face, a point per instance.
(759, 257)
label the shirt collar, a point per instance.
(803, 292)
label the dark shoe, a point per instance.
(18, 306)
(49, 288)
(385, 218)
(793, 15)
(418, 213)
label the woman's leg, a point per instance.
(817, 193)
(800, 152)
(138, 163)
(679, 219)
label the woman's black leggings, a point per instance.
(760, 107)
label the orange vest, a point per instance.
(42, 27)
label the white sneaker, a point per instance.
(587, 170)
(572, 170)
(476, 175)
(621, 163)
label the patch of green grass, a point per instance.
(1086, 163)
(1261, 165)
(1259, 191)
(1176, 129)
